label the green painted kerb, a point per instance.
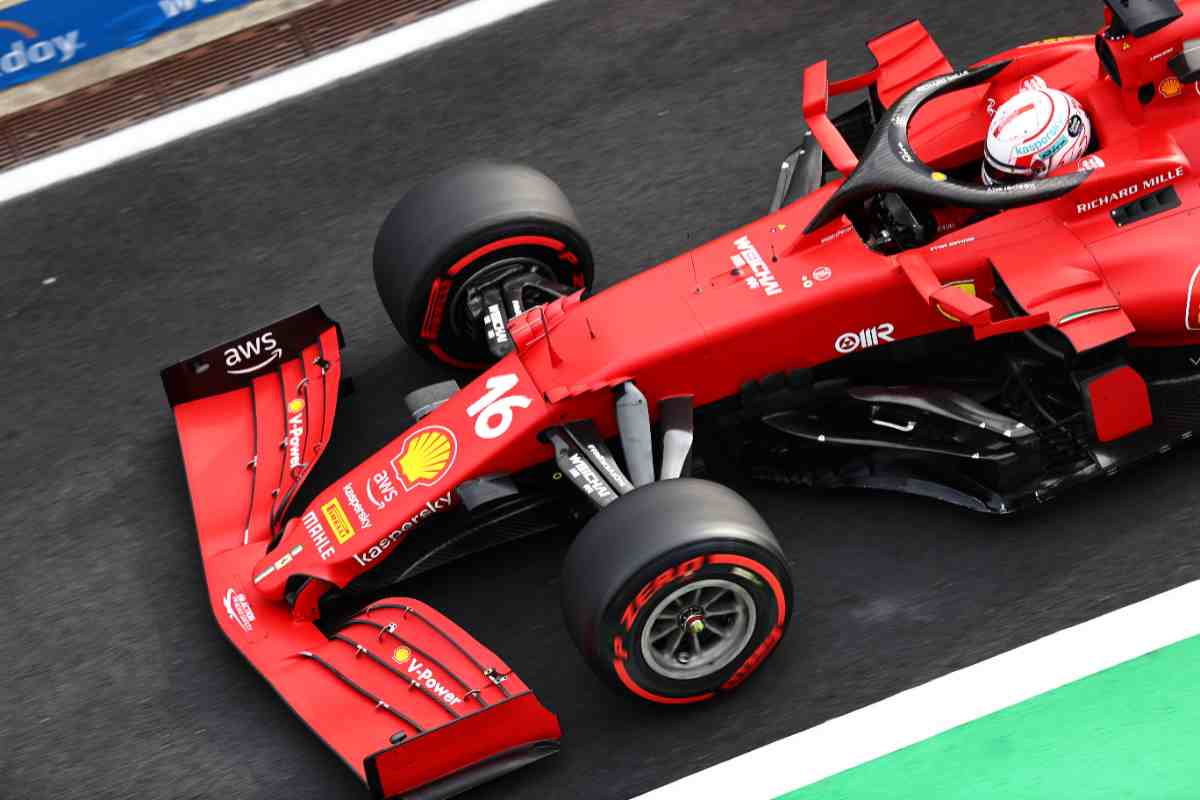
(1130, 732)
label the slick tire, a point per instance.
(677, 591)
(449, 230)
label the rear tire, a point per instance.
(676, 591)
(450, 230)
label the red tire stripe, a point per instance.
(436, 309)
(442, 355)
(619, 666)
(762, 572)
(759, 656)
(780, 601)
(501, 244)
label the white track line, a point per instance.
(298, 80)
(947, 702)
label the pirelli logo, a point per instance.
(339, 523)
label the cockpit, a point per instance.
(892, 197)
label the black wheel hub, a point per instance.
(483, 305)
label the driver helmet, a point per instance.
(1039, 130)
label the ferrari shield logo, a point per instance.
(967, 287)
(425, 457)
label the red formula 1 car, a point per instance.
(1051, 337)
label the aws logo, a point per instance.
(252, 355)
(31, 48)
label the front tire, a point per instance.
(677, 591)
(462, 229)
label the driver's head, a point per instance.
(1036, 132)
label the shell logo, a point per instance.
(401, 655)
(425, 457)
(1170, 87)
(296, 406)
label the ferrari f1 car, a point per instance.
(843, 340)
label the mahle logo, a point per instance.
(33, 48)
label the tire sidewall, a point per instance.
(616, 646)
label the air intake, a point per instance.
(1142, 17)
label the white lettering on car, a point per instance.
(937, 248)
(423, 676)
(295, 435)
(316, 532)
(239, 610)
(493, 413)
(864, 339)
(364, 519)
(261, 350)
(496, 328)
(387, 490)
(763, 278)
(381, 547)
(837, 234)
(1129, 191)
(587, 478)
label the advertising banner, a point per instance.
(38, 37)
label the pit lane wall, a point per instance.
(41, 37)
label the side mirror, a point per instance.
(1186, 65)
(1142, 17)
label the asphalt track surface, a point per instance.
(665, 122)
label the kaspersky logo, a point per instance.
(31, 48)
(425, 457)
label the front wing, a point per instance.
(410, 701)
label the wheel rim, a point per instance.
(461, 322)
(698, 629)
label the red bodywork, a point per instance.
(760, 300)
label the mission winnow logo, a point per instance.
(32, 48)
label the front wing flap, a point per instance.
(424, 708)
